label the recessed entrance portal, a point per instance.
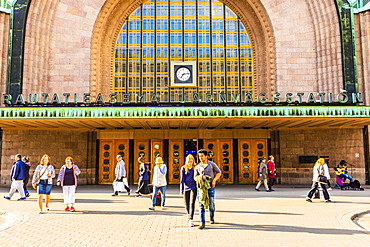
(237, 158)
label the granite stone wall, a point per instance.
(4, 34)
(58, 144)
(337, 144)
(363, 50)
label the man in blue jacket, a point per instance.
(17, 175)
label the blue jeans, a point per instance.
(345, 176)
(202, 211)
(162, 189)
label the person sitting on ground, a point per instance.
(341, 171)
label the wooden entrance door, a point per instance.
(109, 149)
(249, 152)
(220, 151)
(141, 149)
(176, 159)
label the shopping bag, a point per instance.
(118, 186)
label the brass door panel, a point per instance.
(106, 162)
(220, 151)
(176, 160)
(226, 161)
(141, 149)
(249, 152)
(109, 149)
(156, 149)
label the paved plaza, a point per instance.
(244, 217)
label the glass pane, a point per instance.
(162, 31)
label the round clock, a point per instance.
(183, 74)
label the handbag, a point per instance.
(322, 178)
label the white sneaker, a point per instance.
(190, 223)
(330, 189)
(162, 207)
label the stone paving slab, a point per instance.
(244, 217)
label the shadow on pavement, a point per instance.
(123, 212)
(293, 229)
(256, 212)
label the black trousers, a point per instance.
(271, 182)
(189, 199)
(314, 188)
(25, 181)
(143, 187)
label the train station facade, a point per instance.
(241, 78)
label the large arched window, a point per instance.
(161, 32)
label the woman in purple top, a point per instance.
(68, 179)
(188, 187)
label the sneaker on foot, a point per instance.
(152, 208)
(257, 189)
(139, 196)
(162, 208)
(7, 197)
(268, 190)
(308, 200)
(28, 195)
(66, 209)
(72, 209)
(47, 208)
(114, 195)
(129, 193)
(40, 212)
(190, 223)
(22, 199)
(212, 221)
(328, 200)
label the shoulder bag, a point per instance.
(322, 178)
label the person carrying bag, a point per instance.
(320, 176)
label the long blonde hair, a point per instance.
(188, 165)
(42, 160)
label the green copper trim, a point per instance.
(349, 59)
(184, 112)
(5, 6)
(5, 10)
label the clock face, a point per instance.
(183, 74)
